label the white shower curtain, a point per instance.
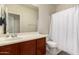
(64, 29)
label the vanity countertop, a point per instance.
(21, 37)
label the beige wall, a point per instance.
(61, 7)
(28, 17)
(44, 17)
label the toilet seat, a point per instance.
(51, 44)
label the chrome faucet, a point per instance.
(13, 35)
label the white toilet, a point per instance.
(52, 48)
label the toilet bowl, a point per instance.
(52, 48)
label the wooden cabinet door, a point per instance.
(41, 46)
(28, 47)
(9, 49)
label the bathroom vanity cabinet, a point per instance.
(32, 47)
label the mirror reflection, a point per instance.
(16, 18)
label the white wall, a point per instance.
(28, 17)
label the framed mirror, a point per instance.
(19, 18)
